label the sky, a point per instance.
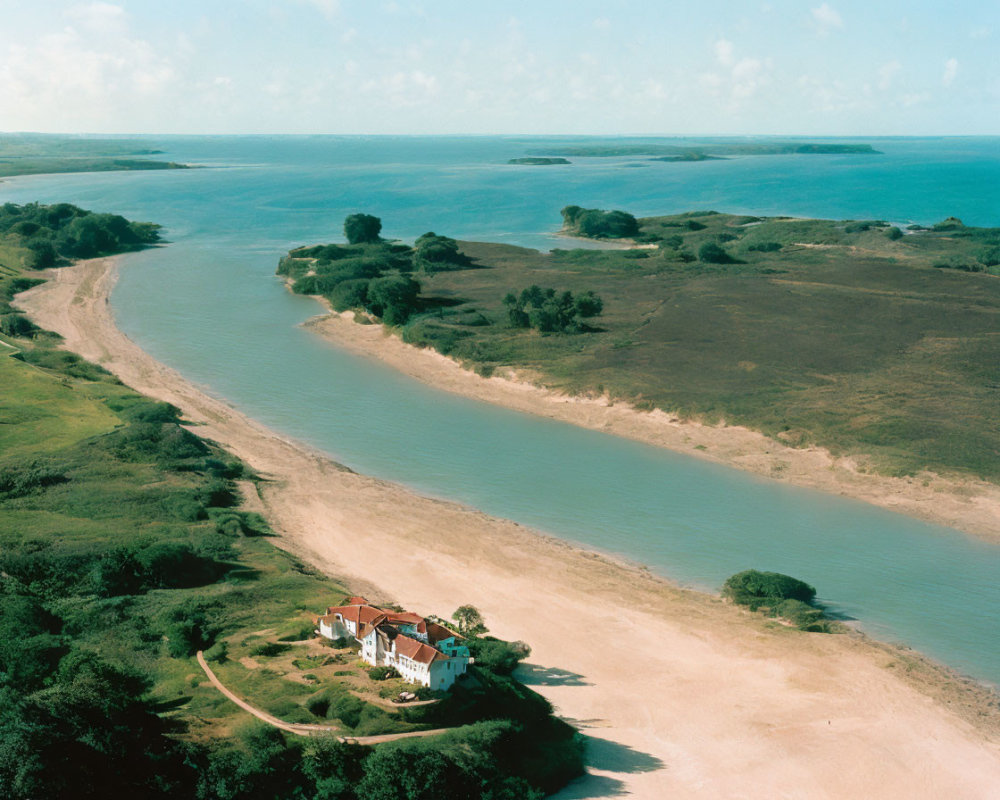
(805, 67)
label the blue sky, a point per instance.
(839, 67)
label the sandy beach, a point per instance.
(682, 694)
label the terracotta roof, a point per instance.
(356, 600)
(358, 614)
(437, 632)
(418, 651)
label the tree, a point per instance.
(362, 228)
(712, 253)
(393, 298)
(589, 304)
(470, 621)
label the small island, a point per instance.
(534, 161)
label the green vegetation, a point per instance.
(716, 148)
(550, 312)
(780, 596)
(538, 162)
(362, 228)
(369, 273)
(123, 552)
(597, 224)
(34, 154)
(52, 234)
(814, 332)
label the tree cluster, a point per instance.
(595, 223)
(63, 231)
(547, 311)
(370, 273)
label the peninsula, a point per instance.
(38, 154)
(850, 356)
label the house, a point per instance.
(420, 650)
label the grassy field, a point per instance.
(854, 336)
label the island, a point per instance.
(536, 161)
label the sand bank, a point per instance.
(970, 505)
(683, 695)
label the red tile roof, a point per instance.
(358, 614)
(418, 651)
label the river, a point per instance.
(210, 306)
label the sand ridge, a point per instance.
(683, 695)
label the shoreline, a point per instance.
(966, 504)
(682, 693)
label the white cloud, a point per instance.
(101, 18)
(349, 35)
(724, 52)
(950, 71)
(602, 23)
(887, 74)
(827, 19)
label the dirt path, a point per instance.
(680, 694)
(301, 729)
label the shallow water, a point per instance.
(210, 306)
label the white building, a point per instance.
(421, 651)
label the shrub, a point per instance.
(894, 233)
(755, 588)
(765, 247)
(17, 325)
(218, 652)
(319, 704)
(382, 673)
(712, 253)
(270, 649)
(496, 655)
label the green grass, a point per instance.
(841, 337)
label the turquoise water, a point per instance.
(210, 305)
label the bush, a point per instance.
(894, 233)
(496, 655)
(755, 588)
(270, 649)
(712, 253)
(382, 673)
(17, 325)
(765, 247)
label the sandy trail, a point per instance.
(684, 695)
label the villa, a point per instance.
(420, 650)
